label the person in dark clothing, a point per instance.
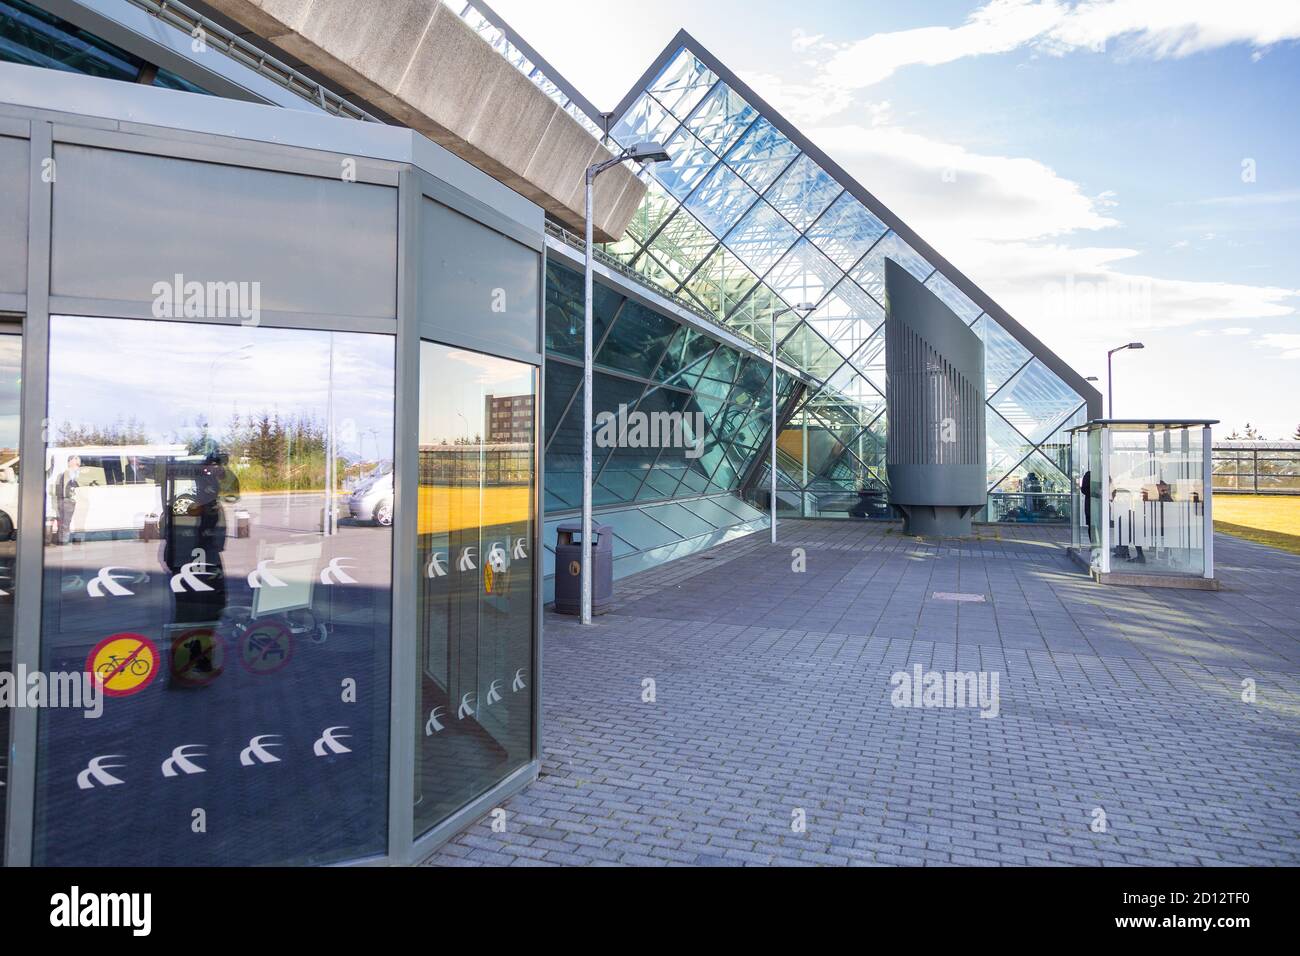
(1085, 488)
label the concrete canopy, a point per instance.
(419, 63)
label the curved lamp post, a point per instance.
(641, 153)
(1110, 382)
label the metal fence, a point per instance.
(1257, 467)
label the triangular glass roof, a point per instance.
(749, 219)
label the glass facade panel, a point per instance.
(682, 84)
(218, 552)
(476, 600)
(720, 118)
(636, 341)
(689, 163)
(682, 245)
(802, 192)
(721, 199)
(870, 272)
(1035, 402)
(846, 231)
(761, 155)
(11, 370)
(761, 238)
(804, 276)
(953, 297)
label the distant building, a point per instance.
(509, 418)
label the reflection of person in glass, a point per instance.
(135, 474)
(65, 497)
(196, 534)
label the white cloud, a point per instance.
(1288, 344)
(999, 27)
(964, 195)
(1152, 28)
(1008, 222)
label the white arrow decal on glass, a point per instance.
(436, 568)
(256, 748)
(335, 573)
(465, 710)
(519, 552)
(496, 557)
(433, 725)
(493, 695)
(518, 683)
(180, 760)
(106, 580)
(466, 562)
(97, 772)
(188, 575)
(330, 740)
(262, 576)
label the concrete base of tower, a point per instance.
(937, 521)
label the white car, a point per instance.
(372, 500)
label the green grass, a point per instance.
(1273, 520)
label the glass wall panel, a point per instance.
(761, 155)
(216, 552)
(802, 192)
(637, 340)
(476, 603)
(11, 367)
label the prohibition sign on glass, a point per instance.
(198, 656)
(265, 647)
(126, 662)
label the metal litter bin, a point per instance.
(568, 568)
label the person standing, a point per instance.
(65, 497)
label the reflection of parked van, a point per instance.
(8, 497)
(117, 485)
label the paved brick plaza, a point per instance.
(773, 695)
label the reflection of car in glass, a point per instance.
(372, 500)
(8, 497)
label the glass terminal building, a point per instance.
(290, 402)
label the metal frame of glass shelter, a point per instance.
(1164, 536)
(46, 115)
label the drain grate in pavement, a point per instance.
(957, 596)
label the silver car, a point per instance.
(372, 501)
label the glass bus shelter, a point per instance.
(1142, 502)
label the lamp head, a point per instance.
(1136, 345)
(648, 152)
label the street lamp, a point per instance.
(641, 153)
(1110, 382)
(803, 308)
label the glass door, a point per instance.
(477, 500)
(11, 363)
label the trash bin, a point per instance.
(568, 568)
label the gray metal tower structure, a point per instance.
(934, 368)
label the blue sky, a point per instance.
(1107, 170)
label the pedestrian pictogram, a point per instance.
(126, 662)
(198, 657)
(265, 647)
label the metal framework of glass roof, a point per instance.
(749, 218)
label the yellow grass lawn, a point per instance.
(1267, 519)
(444, 509)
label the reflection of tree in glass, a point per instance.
(267, 451)
(129, 432)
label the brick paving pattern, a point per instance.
(773, 697)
